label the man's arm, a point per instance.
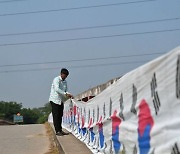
(56, 87)
(69, 95)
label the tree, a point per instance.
(29, 116)
(45, 111)
(8, 109)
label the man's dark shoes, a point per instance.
(64, 133)
(61, 133)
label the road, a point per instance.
(24, 139)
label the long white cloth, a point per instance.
(140, 113)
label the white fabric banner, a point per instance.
(140, 113)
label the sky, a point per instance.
(95, 40)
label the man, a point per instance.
(57, 98)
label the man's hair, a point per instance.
(64, 71)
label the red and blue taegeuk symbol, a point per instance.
(145, 125)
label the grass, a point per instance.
(53, 148)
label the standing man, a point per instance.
(57, 98)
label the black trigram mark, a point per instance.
(154, 94)
(104, 149)
(97, 113)
(84, 112)
(89, 138)
(94, 141)
(110, 149)
(152, 152)
(175, 149)
(121, 107)
(110, 108)
(81, 112)
(97, 143)
(135, 150)
(93, 115)
(89, 114)
(178, 78)
(134, 99)
(124, 149)
(104, 110)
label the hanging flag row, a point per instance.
(137, 114)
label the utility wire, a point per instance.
(78, 66)
(80, 60)
(93, 37)
(91, 27)
(76, 8)
(9, 1)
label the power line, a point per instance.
(78, 66)
(9, 1)
(91, 27)
(90, 38)
(77, 8)
(80, 60)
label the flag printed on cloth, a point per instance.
(92, 134)
(116, 121)
(82, 127)
(74, 113)
(145, 125)
(100, 130)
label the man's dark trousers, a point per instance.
(57, 112)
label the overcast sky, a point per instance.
(82, 30)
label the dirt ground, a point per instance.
(53, 148)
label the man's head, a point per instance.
(64, 73)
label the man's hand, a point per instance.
(69, 95)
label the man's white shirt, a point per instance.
(58, 90)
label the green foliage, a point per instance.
(43, 113)
(30, 116)
(7, 110)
